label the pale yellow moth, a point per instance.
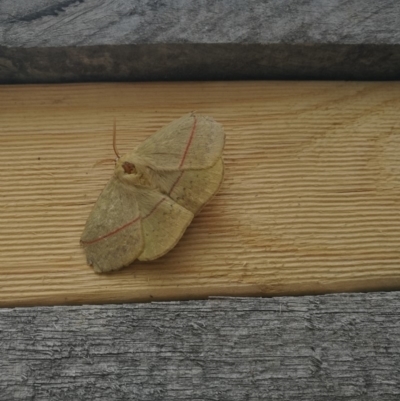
(154, 193)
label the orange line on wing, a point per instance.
(175, 183)
(154, 208)
(189, 142)
(111, 233)
(122, 227)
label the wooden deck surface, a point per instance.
(310, 202)
(314, 348)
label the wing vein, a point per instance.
(188, 143)
(154, 208)
(111, 232)
(176, 183)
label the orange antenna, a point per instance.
(115, 140)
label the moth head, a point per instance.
(130, 171)
(125, 169)
(129, 168)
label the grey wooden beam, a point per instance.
(98, 40)
(332, 347)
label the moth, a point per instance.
(154, 193)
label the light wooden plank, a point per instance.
(330, 347)
(310, 202)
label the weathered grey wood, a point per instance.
(332, 347)
(75, 40)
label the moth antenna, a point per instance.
(115, 140)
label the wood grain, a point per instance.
(310, 201)
(320, 348)
(148, 40)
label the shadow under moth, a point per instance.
(154, 193)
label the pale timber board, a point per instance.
(309, 204)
